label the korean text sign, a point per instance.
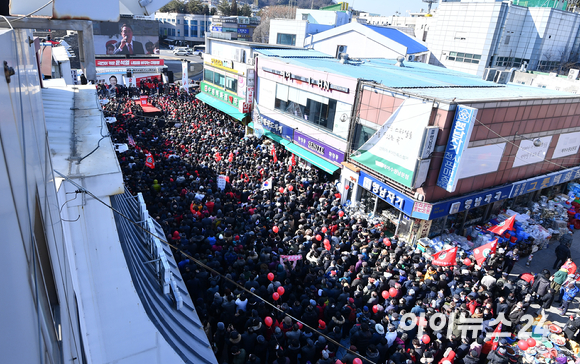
(318, 147)
(456, 145)
(386, 193)
(548, 180)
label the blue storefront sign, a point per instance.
(456, 145)
(462, 203)
(318, 147)
(386, 193)
(545, 181)
(216, 29)
(273, 126)
(243, 31)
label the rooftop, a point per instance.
(413, 46)
(415, 78)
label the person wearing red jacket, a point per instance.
(448, 357)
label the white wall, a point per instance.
(288, 26)
(358, 45)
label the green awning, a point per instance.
(274, 137)
(312, 158)
(222, 106)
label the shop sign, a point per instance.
(386, 193)
(243, 31)
(273, 126)
(251, 75)
(429, 141)
(220, 63)
(568, 144)
(322, 84)
(244, 107)
(459, 204)
(528, 153)
(318, 147)
(458, 139)
(216, 29)
(250, 95)
(128, 62)
(220, 94)
(545, 181)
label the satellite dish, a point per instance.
(344, 117)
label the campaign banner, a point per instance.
(318, 147)
(128, 62)
(457, 143)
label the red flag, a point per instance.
(483, 251)
(501, 228)
(149, 161)
(231, 157)
(274, 154)
(445, 257)
(290, 168)
(495, 336)
(218, 157)
(293, 159)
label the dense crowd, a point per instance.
(344, 294)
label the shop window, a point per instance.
(178, 21)
(219, 79)
(185, 31)
(311, 108)
(208, 75)
(286, 39)
(361, 135)
(231, 84)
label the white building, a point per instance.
(416, 24)
(471, 36)
(293, 32)
(186, 28)
(368, 41)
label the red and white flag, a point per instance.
(293, 159)
(149, 161)
(445, 258)
(274, 154)
(484, 251)
(131, 141)
(503, 226)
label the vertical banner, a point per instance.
(184, 78)
(456, 144)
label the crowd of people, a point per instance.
(295, 279)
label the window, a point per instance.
(208, 75)
(178, 21)
(173, 32)
(185, 31)
(309, 107)
(286, 39)
(178, 32)
(507, 39)
(305, 16)
(361, 135)
(464, 57)
(231, 84)
(219, 79)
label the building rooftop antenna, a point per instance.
(430, 2)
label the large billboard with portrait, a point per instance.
(128, 36)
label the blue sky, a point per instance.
(388, 7)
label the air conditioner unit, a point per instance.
(342, 49)
(411, 57)
(573, 74)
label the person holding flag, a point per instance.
(484, 251)
(445, 258)
(149, 161)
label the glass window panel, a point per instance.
(459, 59)
(282, 92)
(476, 56)
(475, 61)
(467, 60)
(208, 75)
(219, 79)
(231, 84)
(460, 54)
(451, 54)
(468, 55)
(451, 58)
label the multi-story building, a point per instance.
(472, 36)
(428, 147)
(233, 27)
(294, 32)
(185, 28)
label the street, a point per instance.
(173, 64)
(544, 259)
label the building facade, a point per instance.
(472, 36)
(233, 27)
(186, 28)
(294, 32)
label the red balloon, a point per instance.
(324, 229)
(281, 189)
(276, 296)
(387, 241)
(375, 308)
(318, 237)
(531, 342)
(357, 361)
(326, 241)
(268, 321)
(281, 290)
(341, 213)
(467, 261)
(426, 339)
(275, 229)
(338, 362)
(385, 294)
(327, 245)
(346, 187)
(393, 292)
(523, 345)
(290, 188)
(271, 276)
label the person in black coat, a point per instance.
(127, 45)
(562, 254)
(572, 327)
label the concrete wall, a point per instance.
(547, 81)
